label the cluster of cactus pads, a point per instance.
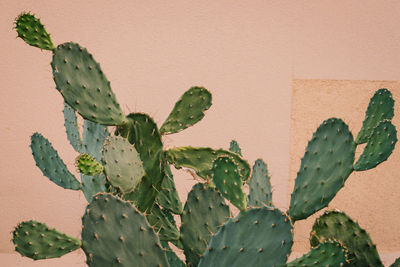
(133, 202)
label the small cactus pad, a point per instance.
(225, 174)
(94, 136)
(83, 85)
(173, 260)
(91, 185)
(327, 163)
(260, 186)
(200, 159)
(50, 164)
(256, 237)
(162, 225)
(32, 31)
(235, 148)
(188, 110)
(335, 225)
(380, 108)
(115, 233)
(396, 263)
(88, 165)
(168, 197)
(122, 164)
(142, 132)
(37, 241)
(329, 253)
(71, 127)
(204, 212)
(379, 147)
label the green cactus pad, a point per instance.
(396, 263)
(335, 225)
(162, 225)
(173, 260)
(32, 31)
(329, 253)
(225, 174)
(256, 237)
(88, 165)
(94, 136)
(91, 185)
(380, 108)
(235, 148)
(260, 186)
(168, 197)
(122, 164)
(204, 212)
(85, 88)
(37, 241)
(50, 164)
(115, 233)
(71, 127)
(379, 147)
(200, 159)
(142, 132)
(188, 110)
(327, 163)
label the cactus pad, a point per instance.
(260, 186)
(327, 163)
(85, 88)
(32, 31)
(114, 233)
(379, 147)
(94, 136)
(142, 132)
(200, 159)
(225, 174)
(71, 127)
(235, 148)
(50, 164)
(329, 253)
(91, 185)
(188, 110)
(204, 212)
(256, 237)
(334, 225)
(380, 108)
(88, 165)
(37, 241)
(162, 225)
(168, 197)
(173, 260)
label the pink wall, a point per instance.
(245, 52)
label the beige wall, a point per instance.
(245, 52)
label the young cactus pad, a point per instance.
(200, 159)
(37, 241)
(122, 163)
(88, 165)
(32, 31)
(205, 211)
(50, 164)
(260, 186)
(329, 253)
(259, 237)
(380, 108)
(115, 233)
(334, 225)
(188, 110)
(85, 88)
(379, 147)
(326, 164)
(225, 174)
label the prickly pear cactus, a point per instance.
(235, 148)
(327, 163)
(115, 233)
(72, 129)
(32, 31)
(168, 197)
(256, 237)
(88, 165)
(260, 186)
(37, 241)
